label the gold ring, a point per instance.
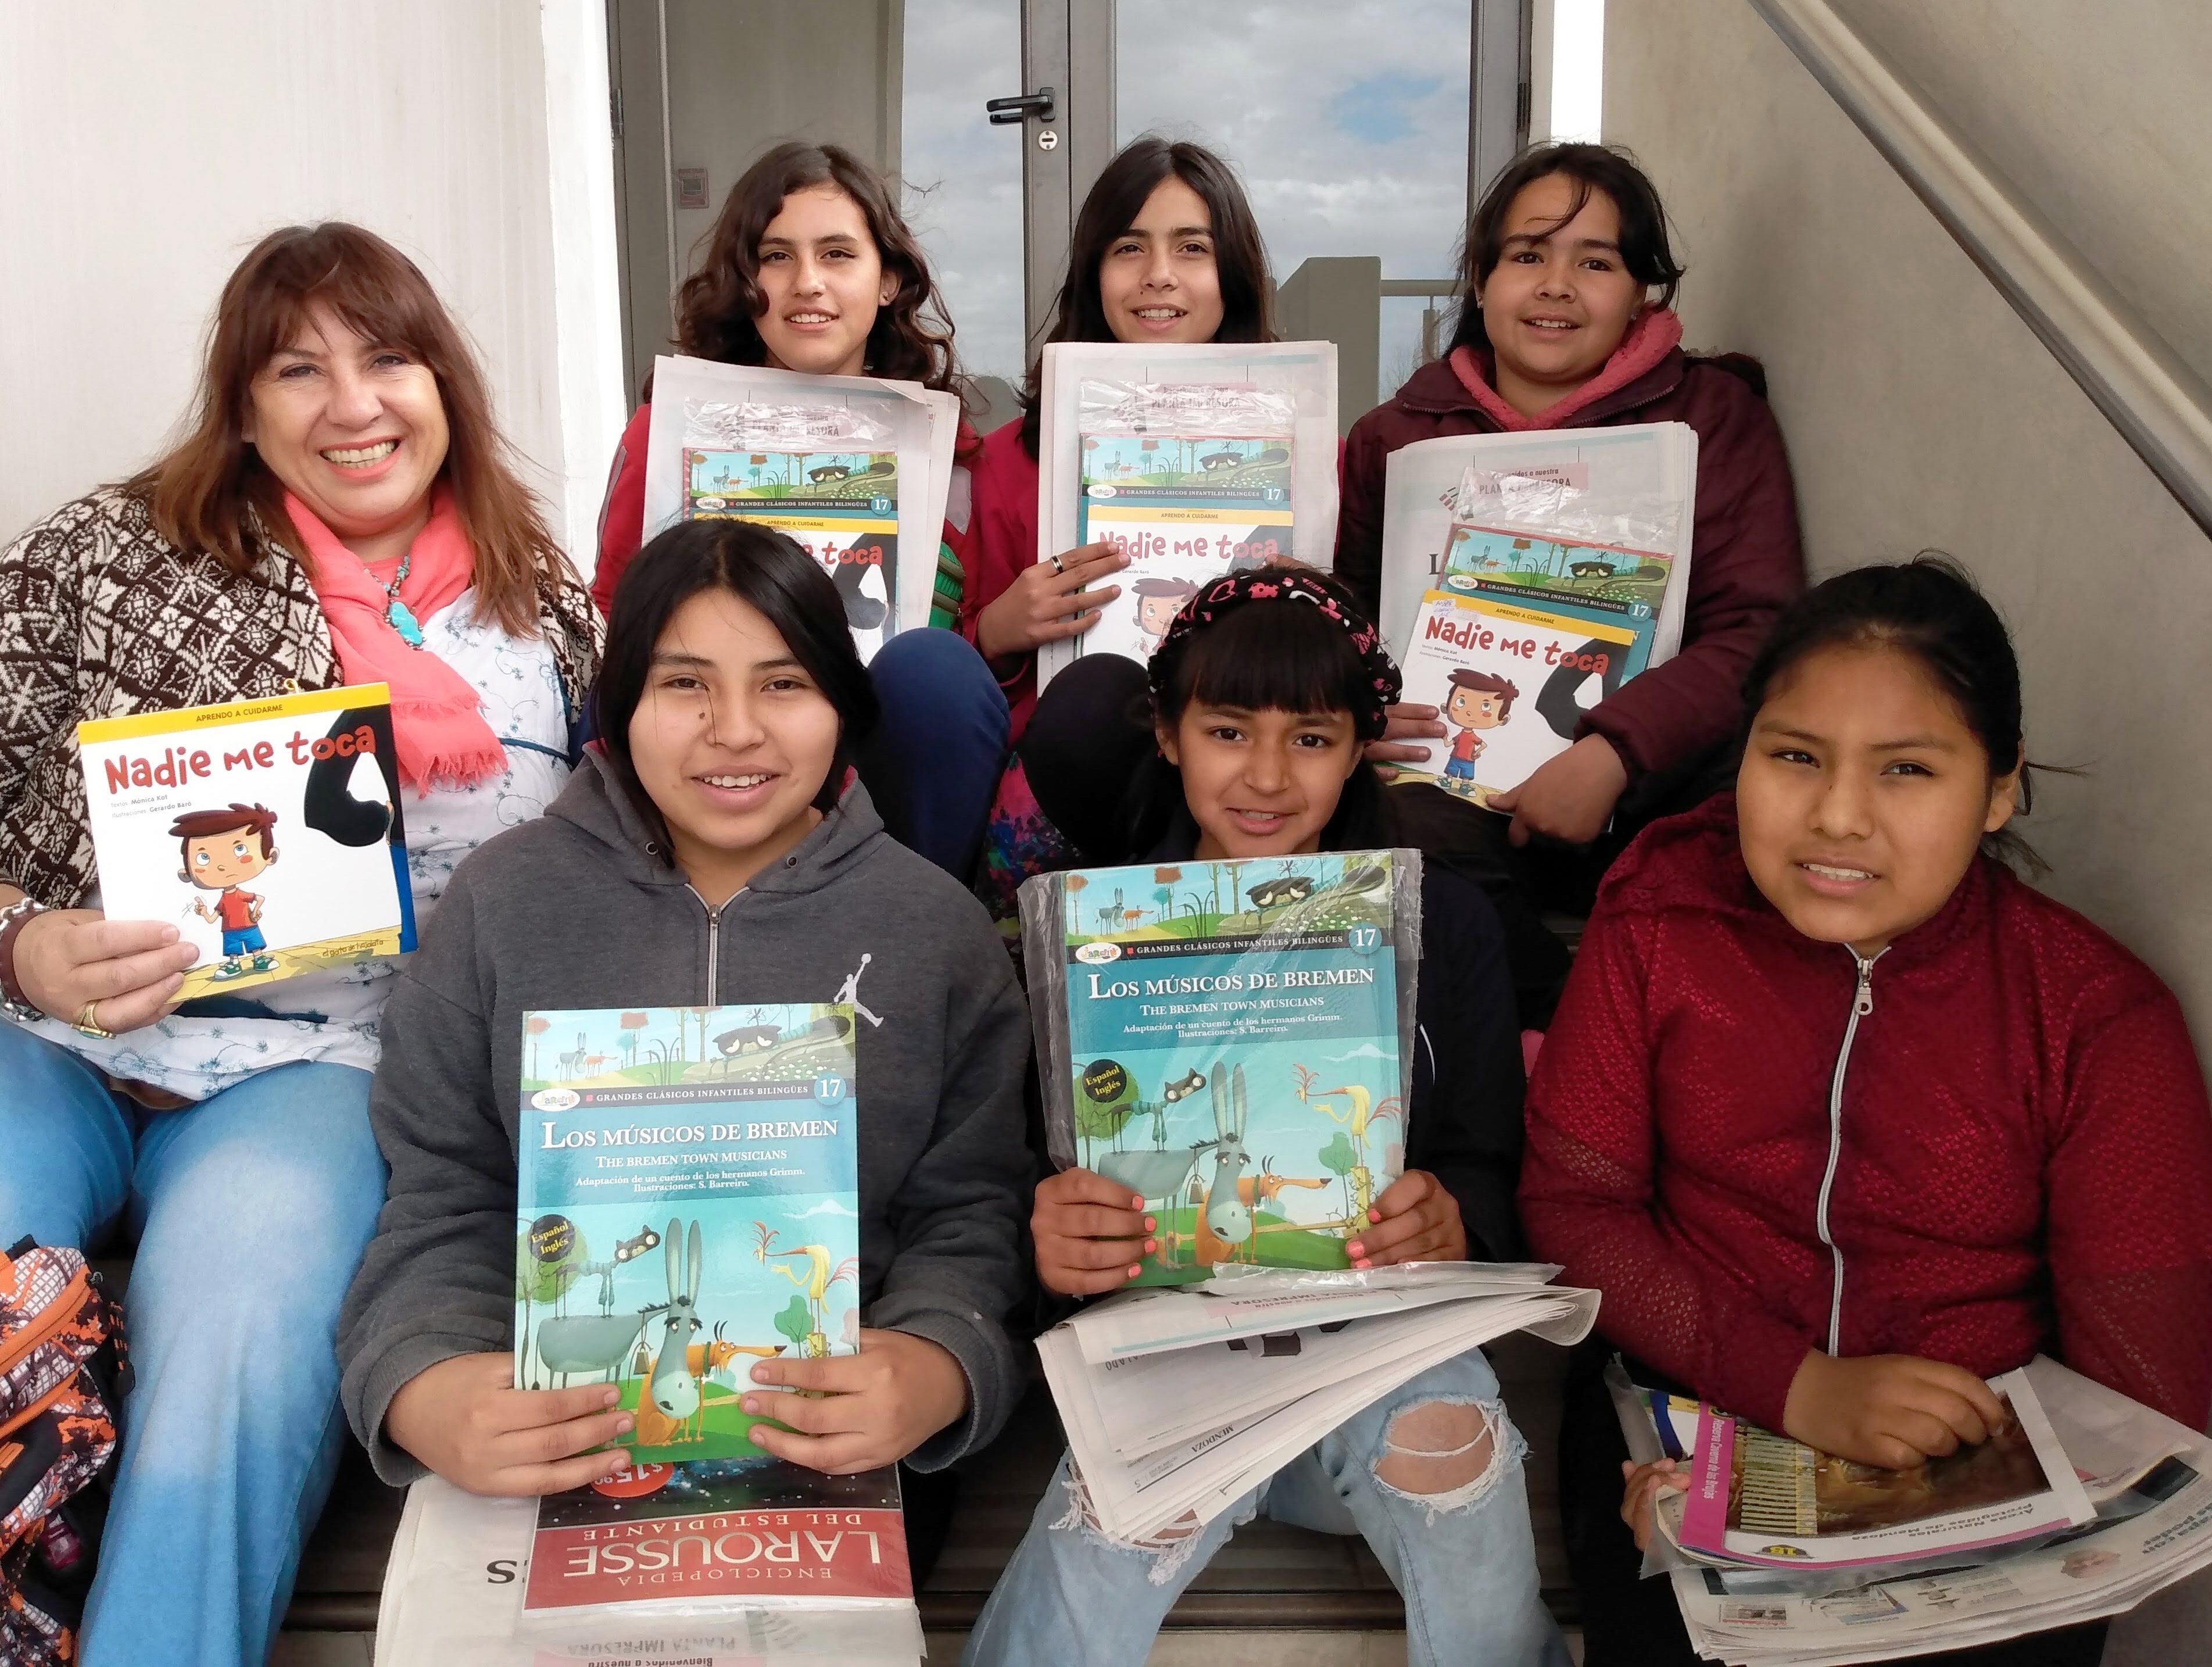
(88, 1021)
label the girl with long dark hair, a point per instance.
(714, 850)
(1567, 320)
(812, 268)
(1841, 1115)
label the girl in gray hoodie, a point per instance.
(714, 850)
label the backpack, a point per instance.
(63, 1372)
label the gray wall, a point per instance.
(1920, 411)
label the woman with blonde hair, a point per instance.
(340, 510)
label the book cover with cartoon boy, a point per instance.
(1511, 670)
(1232, 1044)
(1189, 502)
(687, 1206)
(269, 833)
(841, 506)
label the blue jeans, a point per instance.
(934, 763)
(250, 1211)
(1450, 1522)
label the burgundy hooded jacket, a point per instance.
(2007, 1111)
(1746, 564)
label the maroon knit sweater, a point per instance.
(2022, 1151)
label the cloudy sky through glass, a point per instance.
(1348, 122)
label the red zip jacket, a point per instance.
(1746, 562)
(999, 546)
(2005, 1109)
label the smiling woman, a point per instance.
(339, 511)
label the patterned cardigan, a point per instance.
(101, 617)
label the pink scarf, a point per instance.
(1655, 334)
(441, 737)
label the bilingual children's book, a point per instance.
(268, 832)
(855, 469)
(1191, 480)
(840, 506)
(1195, 459)
(1227, 1040)
(687, 1207)
(1551, 596)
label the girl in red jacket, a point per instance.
(1841, 1115)
(1165, 249)
(1567, 320)
(810, 268)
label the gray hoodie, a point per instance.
(582, 908)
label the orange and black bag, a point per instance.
(62, 1374)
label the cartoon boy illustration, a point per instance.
(1478, 700)
(1158, 602)
(223, 849)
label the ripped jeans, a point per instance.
(1430, 1475)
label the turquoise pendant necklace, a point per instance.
(401, 616)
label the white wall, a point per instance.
(1921, 411)
(145, 146)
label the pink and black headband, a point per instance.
(1284, 584)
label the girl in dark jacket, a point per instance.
(1262, 695)
(1565, 321)
(1844, 1118)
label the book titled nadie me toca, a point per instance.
(687, 1207)
(268, 832)
(1226, 1040)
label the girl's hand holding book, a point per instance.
(128, 972)
(1890, 1410)
(466, 1419)
(1640, 1498)
(1090, 1234)
(1406, 722)
(863, 1410)
(1415, 1220)
(1569, 798)
(1049, 602)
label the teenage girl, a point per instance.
(1263, 693)
(1841, 1115)
(713, 849)
(810, 268)
(1567, 320)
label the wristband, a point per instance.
(13, 919)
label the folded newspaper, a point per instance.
(1182, 1401)
(1938, 1557)
(460, 1565)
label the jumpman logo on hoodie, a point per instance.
(850, 993)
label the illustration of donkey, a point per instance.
(673, 1397)
(1226, 1227)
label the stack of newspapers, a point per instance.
(2085, 1504)
(1181, 1401)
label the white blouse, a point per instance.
(333, 1016)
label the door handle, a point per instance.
(1011, 111)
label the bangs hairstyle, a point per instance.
(1929, 609)
(1270, 655)
(759, 567)
(1248, 307)
(198, 495)
(1644, 250)
(715, 309)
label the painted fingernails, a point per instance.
(1363, 1263)
(1150, 1245)
(1355, 1250)
(1134, 1269)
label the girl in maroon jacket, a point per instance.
(1567, 320)
(1842, 1116)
